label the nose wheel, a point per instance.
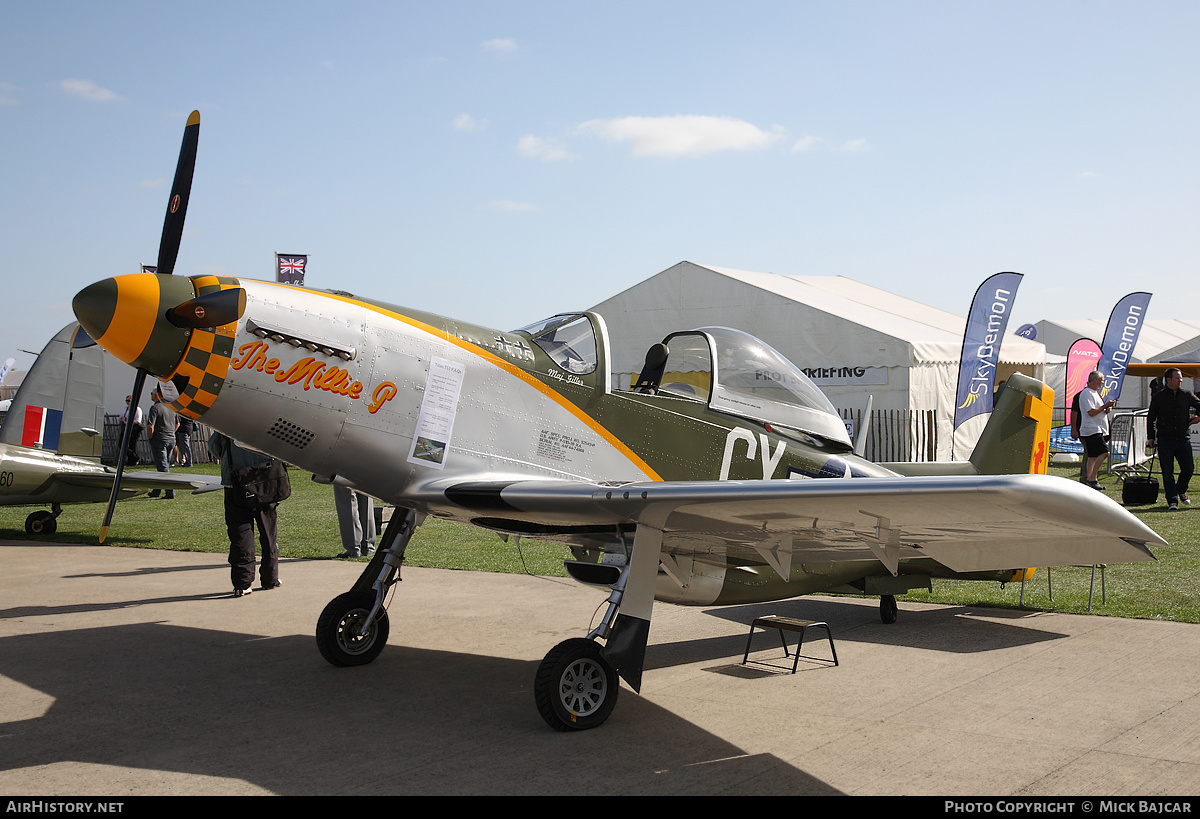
(575, 687)
(353, 628)
(340, 635)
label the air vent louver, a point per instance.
(292, 434)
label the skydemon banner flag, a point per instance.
(1120, 337)
(986, 324)
(289, 268)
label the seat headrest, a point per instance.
(656, 356)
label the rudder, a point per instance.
(60, 404)
(1016, 439)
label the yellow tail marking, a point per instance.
(1040, 411)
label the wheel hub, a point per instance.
(582, 688)
(350, 635)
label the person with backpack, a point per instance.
(243, 473)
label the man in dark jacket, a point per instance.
(241, 521)
(1172, 412)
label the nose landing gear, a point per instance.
(353, 628)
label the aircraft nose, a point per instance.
(126, 316)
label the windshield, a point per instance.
(569, 340)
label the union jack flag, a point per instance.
(289, 269)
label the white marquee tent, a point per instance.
(852, 339)
(1158, 341)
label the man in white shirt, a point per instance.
(132, 457)
(1093, 426)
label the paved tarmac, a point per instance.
(134, 672)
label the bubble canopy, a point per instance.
(753, 379)
(730, 370)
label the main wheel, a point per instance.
(338, 628)
(41, 523)
(575, 687)
(888, 608)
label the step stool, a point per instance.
(783, 624)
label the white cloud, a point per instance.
(682, 135)
(509, 205)
(550, 150)
(1089, 175)
(499, 47)
(8, 93)
(854, 146)
(466, 122)
(88, 90)
(808, 143)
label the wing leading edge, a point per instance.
(967, 524)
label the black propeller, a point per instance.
(181, 191)
(168, 251)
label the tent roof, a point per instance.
(1157, 336)
(869, 325)
(1189, 356)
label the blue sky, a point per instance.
(503, 161)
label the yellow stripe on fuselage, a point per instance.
(507, 366)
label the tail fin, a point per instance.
(60, 404)
(1017, 436)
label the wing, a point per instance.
(141, 481)
(977, 523)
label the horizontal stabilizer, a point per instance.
(144, 481)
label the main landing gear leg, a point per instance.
(576, 684)
(353, 628)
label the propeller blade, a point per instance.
(138, 380)
(181, 190)
(211, 310)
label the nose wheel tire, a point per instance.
(575, 687)
(338, 628)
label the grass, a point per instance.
(1160, 590)
(1164, 589)
(308, 528)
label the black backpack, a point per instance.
(261, 484)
